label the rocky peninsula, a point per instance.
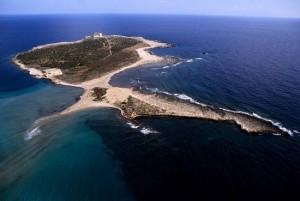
(90, 63)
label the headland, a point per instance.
(90, 63)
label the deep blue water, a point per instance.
(247, 64)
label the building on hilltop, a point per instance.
(96, 35)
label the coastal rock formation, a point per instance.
(137, 104)
(133, 108)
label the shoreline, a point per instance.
(145, 58)
(155, 104)
(86, 99)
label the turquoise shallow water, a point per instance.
(19, 110)
(238, 63)
(70, 163)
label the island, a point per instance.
(91, 62)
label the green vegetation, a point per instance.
(86, 60)
(99, 93)
(134, 107)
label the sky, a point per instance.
(265, 8)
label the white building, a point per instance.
(97, 35)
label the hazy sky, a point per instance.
(274, 8)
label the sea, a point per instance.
(244, 64)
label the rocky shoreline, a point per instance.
(133, 103)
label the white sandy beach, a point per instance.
(115, 95)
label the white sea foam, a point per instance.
(147, 131)
(277, 124)
(132, 125)
(282, 128)
(143, 130)
(184, 61)
(189, 60)
(153, 90)
(187, 98)
(192, 60)
(177, 95)
(32, 133)
(191, 100)
(178, 63)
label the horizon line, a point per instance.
(166, 14)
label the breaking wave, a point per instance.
(274, 123)
(192, 60)
(142, 129)
(181, 61)
(32, 133)
(132, 125)
(177, 95)
(178, 63)
(35, 129)
(187, 98)
(147, 131)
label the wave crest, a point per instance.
(142, 129)
(147, 131)
(191, 100)
(32, 133)
(274, 123)
(132, 125)
(177, 95)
